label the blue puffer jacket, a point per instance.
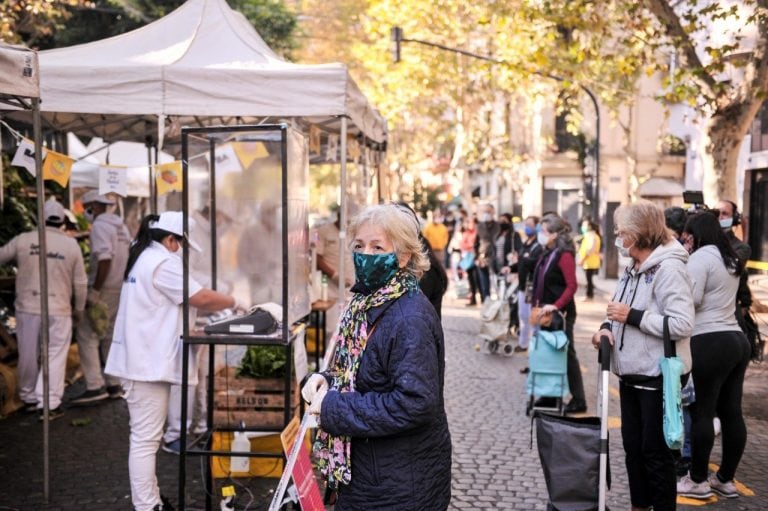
(401, 446)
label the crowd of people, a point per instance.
(383, 415)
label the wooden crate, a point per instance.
(258, 402)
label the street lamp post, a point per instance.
(396, 34)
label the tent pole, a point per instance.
(42, 258)
(343, 214)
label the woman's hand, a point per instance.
(598, 335)
(548, 309)
(617, 312)
(317, 402)
(314, 385)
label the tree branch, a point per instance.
(670, 23)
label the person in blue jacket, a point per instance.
(383, 442)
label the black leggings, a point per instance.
(590, 285)
(720, 360)
(650, 464)
(575, 381)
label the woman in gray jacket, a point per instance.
(653, 286)
(720, 357)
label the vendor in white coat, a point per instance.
(66, 280)
(146, 350)
(110, 241)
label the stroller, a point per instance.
(574, 452)
(547, 382)
(497, 318)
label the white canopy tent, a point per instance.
(20, 89)
(202, 60)
(203, 64)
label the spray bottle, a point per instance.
(240, 444)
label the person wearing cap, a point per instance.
(66, 279)
(110, 240)
(146, 352)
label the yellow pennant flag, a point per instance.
(168, 177)
(248, 152)
(57, 167)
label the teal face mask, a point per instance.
(375, 270)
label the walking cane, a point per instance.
(602, 403)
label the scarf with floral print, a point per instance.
(333, 453)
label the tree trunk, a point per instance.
(722, 141)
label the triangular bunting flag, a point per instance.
(248, 152)
(353, 149)
(332, 151)
(25, 156)
(168, 177)
(113, 180)
(314, 139)
(227, 160)
(57, 167)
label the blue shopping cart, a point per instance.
(547, 383)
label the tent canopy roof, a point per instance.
(201, 60)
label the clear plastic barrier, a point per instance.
(254, 184)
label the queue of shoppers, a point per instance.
(380, 403)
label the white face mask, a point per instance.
(624, 252)
(542, 238)
(726, 223)
(486, 217)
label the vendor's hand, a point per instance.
(94, 296)
(598, 335)
(317, 402)
(78, 317)
(315, 383)
(240, 305)
(617, 311)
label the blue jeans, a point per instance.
(483, 276)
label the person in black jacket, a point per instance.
(434, 282)
(383, 442)
(527, 256)
(553, 288)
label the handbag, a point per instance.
(671, 371)
(467, 261)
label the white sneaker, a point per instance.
(726, 489)
(688, 488)
(716, 426)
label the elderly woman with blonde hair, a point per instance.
(654, 286)
(384, 441)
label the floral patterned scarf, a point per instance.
(333, 453)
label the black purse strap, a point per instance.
(669, 346)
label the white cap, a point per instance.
(94, 196)
(173, 222)
(54, 211)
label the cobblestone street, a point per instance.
(495, 465)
